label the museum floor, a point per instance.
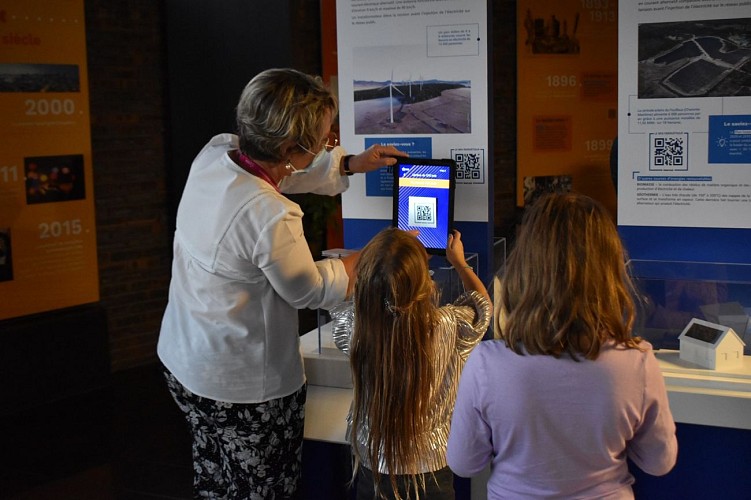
(127, 442)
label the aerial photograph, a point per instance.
(709, 58)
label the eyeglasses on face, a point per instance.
(327, 146)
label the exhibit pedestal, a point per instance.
(718, 398)
(325, 364)
(718, 401)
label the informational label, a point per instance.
(413, 74)
(566, 97)
(47, 226)
(684, 131)
(730, 139)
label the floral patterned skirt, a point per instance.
(243, 451)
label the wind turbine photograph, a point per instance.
(401, 106)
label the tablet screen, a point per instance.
(424, 200)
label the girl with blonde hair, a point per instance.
(406, 354)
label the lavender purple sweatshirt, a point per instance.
(557, 428)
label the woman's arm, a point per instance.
(328, 176)
(375, 157)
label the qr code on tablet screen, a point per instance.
(668, 151)
(422, 211)
(470, 165)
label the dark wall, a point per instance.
(126, 62)
(213, 52)
(503, 117)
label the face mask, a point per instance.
(316, 157)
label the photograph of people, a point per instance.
(242, 268)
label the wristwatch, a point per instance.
(346, 165)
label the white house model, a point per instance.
(711, 345)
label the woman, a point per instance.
(406, 355)
(558, 405)
(229, 337)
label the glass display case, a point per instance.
(447, 279)
(673, 293)
(499, 256)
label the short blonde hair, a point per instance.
(279, 105)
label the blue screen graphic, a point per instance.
(424, 202)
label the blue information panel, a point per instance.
(730, 139)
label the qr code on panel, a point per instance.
(668, 151)
(470, 165)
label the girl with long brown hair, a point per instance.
(558, 404)
(406, 355)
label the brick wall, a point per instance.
(126, 74)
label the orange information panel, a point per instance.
(567, 97)
(47, 226)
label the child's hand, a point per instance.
(455, 250)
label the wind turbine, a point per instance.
(392, 87)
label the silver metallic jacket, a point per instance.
(461, 326)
